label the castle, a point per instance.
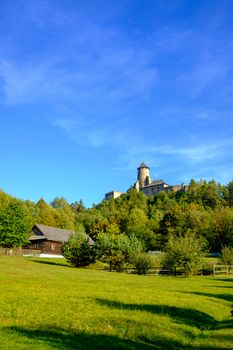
(147, 186)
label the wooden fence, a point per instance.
(222, 270)
(19, 252)
(158, 271)
(155, 271)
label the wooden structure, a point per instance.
(222, 270)
(49, 239)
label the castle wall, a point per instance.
(112, 194)
(152, 190)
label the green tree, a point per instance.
(223, 227)
(172, 223)
(46, 214)
(142, 263)
(78, 251)
(138, 224)
(184, 253)
(199, 220)
(227, 255)
(65, 216)
(5, 199)
(230, 193)
(78, 206)
(117, 250)
(14, 226)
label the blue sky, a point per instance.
(90, 89)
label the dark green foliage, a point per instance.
(207, 268)
(78, 251)
(142, 262)
(14, 226)
(117, 250)
(138, 224)
(230, 193)
(184, 253)
(223, 227)
(227, 256)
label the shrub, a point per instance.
(78, 251)
(117, 249)
(142, 262)
(98, 265)
(227, 255)
(207, 268)
(157, 259)
(184, 253)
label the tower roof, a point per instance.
(143, 165)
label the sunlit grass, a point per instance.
(45, 304)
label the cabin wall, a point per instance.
(51, 247)
(48, 247)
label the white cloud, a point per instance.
(27, 83)
(88, 133)
(132, 148)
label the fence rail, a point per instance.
(19, 252)
(155, 271)
(222, 270)
(159, 271)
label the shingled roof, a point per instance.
(156, 183)
(53, 234)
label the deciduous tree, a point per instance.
(14, 226)
(185, 253)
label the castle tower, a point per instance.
(143, 175)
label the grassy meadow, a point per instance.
(45, 304)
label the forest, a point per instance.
(205, 209)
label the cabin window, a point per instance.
(53, 247)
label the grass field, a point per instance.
(45, 304)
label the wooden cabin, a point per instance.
(49, 239)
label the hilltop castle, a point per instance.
(147, 186)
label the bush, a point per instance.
(117, 250)
(157, 259)
(184, 253)
(207, 268)
(227, 255)
(98, 265)
(142, 262)
(78, 251)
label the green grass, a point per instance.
(45, 304)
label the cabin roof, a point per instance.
(43, 232)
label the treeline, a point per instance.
(206, 209)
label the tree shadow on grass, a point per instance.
(228, 323)
(46, 262)
(228, 279)
(187, 316)
(226, 297)
(60, 339)
(222, 286)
